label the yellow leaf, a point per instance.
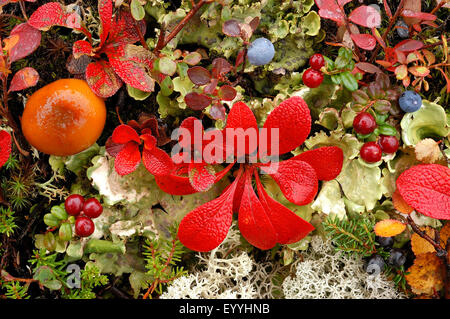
(422, 246)
(426, 275)
(389, 228)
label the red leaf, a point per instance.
(329, 9)
(199, 75)
(51, 14)
(366, 16)
(368, 67)
(211, 86)
(201, 176)
(327, 161)
(29, 41)
(123, 31)
(378, 37)
(5, 147)
(231, 28)
(419, 15)
(297, 180)
(426, 188)
(24, 78)
(197, 101)
(124, 134)
(253, 221)
(205, 228)
(293, 120)
(102, 79)
(128, 159)
(105, 10)
(364, 41)
(409, 45)
(131, 72)
(175, 185)
(157, 162)
(289, 227)
(220, 66)
(387, 9)
(240, 57)
(227, 93)
(81, 48)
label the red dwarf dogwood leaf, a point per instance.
(426, 188)
(23, 79)
(5, 147)
(105, 10)
(80, 48)
(51, 14)
(128, 159)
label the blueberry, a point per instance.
(260, 52)
(385, 241)
(397, 257)
(410, 101)
(375, 265)
(402, 32)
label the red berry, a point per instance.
(74, 204)
(317, 61)
(371, 152)
(84, 226)
(92, 208)
(312, 78)
(389, 144)
(364, 123)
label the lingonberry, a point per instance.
(371, 152)
(317, 61)
(389, 144)
(312, 78)
(364, 123)
(84, 226)
(74, 204)
(92, 208)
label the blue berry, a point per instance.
(375, 265)
(260, 52)
(385, 241)
(402, 32)
(397, 257)
(410, 101)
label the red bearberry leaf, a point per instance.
(293, 120)
(113, 148)
(368, 67)
(105, 10)
(192, 58)
(124, 134)
(175, 185)
(201, 176)
(227, 93)
(5, 147)
(408, 45)
(131, 72)
(297, 180)
(366, 16)
(205, 228)
(29, 41)
(102, 79)
(254, 224)
(289, 227)
(326, 161)
(231, 28)
(426, 188)
(24, 78)
(329, 9)
(387, 9)
(197, 101)
(199, 75)
(157, 162)
(419, 70)
(81, 48)
(419, 15)
(364, 41)
(128, 159)
(51, 14)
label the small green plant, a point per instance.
(340, 70)
(90, 278)
(7, 224)
(15, 290)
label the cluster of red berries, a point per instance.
(84, 211)
(371, 152)
(313, 77)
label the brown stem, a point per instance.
(141, 36)
(440, 4)
(388, 29)
(181, 25)
(12, 16)
(22, 8)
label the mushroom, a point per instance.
(63, 118)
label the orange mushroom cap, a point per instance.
(63, 118)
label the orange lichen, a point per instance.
(63, 118)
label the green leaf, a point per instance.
(59, 212)
(386, 129)
(349, 81)
(167, 86)
(51, 220)
(137, 10)
(65, 232)
(167, 66)
(137, 94)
